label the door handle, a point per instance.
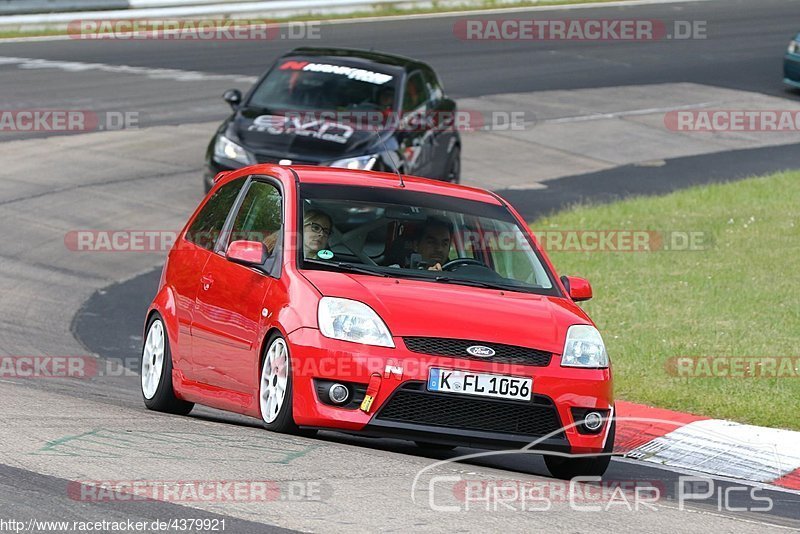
(206, 280)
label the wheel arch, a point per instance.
(262, 350)
(164, 305)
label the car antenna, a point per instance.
(394, 166)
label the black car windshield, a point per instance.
(407, 234)
(311, 85)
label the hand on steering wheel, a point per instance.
(452, 265)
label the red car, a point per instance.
(369, 303)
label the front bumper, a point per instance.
(403, 408)
(791, 70)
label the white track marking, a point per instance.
(154, 73)
(726, 448)
(630, 113)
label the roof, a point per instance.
(348, 177)
(372, 56)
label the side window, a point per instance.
(259, 218)
(208, 224)
(433, 86)
(416, 92)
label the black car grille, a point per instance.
(413, 404)
(457, 348)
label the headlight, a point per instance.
(794, 47)
(225, 148)
(350, 320)
(584, 348)
(362, 163)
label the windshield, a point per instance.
(408, 234)
(303, 85)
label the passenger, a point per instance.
(317, 227)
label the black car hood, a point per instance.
(302, 138)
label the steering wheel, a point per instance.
(458, 262)
(364, 105)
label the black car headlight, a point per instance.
(364, 163)
(224, 148)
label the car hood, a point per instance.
(303, 139)
(429, 309)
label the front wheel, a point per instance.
(586, 466)
(157, 389)
(275, 387)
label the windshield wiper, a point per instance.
(476, 283)
(348, 267)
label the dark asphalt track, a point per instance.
(744, 48)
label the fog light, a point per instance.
(338, 393)
(593, 421)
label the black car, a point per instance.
(791, 64)
(341, 108)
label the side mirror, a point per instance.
(447, 104)
(579, 289)
(247, 252)
(233, 97)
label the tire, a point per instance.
(156, 382)
(453, 174)
(434, 446)
(275, 387)
(588, 466)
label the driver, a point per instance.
(434, 243)
(386, 98)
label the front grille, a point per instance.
(457, 348)
(412, 403)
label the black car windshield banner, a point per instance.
(353, 73)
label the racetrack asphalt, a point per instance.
(132, 182)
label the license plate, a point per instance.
(480, 384)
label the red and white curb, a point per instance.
(713, 446)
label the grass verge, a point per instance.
(737, 297)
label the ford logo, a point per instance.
(480, 351)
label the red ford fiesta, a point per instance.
(318, 298)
